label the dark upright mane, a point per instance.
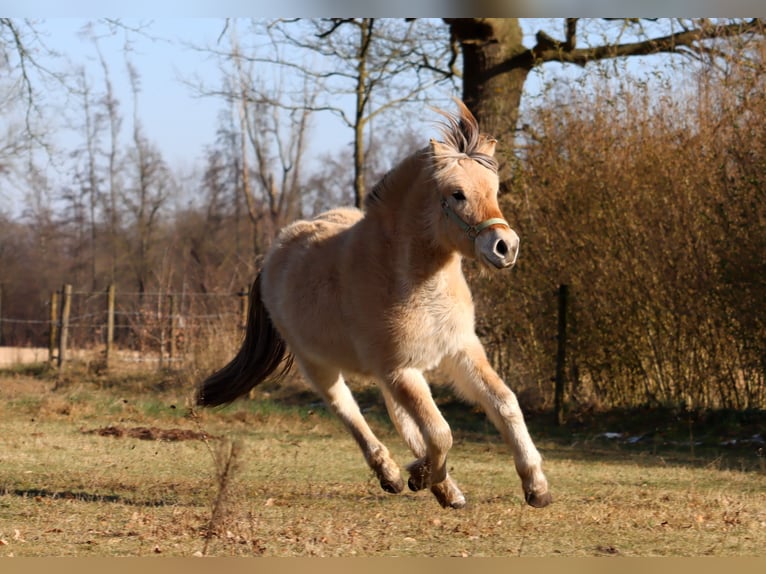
(462, 134)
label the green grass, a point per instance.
(299, 486)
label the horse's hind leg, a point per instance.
(446, 492)
(329, 384)
(409, 392)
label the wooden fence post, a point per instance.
(161, 326)
(172, 311)
(109, 324)
(66, 308)
(558, 398)
(1, 314)
(244, 307)
(53, 322)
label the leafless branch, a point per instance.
(336, 23)
(549, 50)
(27, 62)
(571, 34)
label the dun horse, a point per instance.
(381, 294)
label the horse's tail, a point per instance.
(262, 352)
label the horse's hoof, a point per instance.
(456, 502)
(392, 486)
(538, 500)
(419, 475)
(448, 494)
(416, 483)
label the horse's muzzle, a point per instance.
(499, 247)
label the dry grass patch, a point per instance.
(296, 485)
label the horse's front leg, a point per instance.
(477, 381)
(423, 427)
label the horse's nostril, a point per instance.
(501, 248)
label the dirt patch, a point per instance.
(150, 433)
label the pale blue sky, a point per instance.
(453, 8)
(180, 123)
(177, 121)
(174, 118)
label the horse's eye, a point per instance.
(458, 195)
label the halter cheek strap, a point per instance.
(471, 230)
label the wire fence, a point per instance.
(196, 330)
(156, 327)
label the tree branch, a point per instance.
(571, 34)
(336, 23)
(548, 50)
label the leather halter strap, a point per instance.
(471, 230)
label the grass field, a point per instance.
(118, 467)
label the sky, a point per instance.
(452, 8)
(180, 123)
(174, 118)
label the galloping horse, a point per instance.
(381, 294)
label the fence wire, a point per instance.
(152, 325)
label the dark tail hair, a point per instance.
(262, 352)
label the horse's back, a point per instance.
(303, 280)
(341, 216)
(305, 232)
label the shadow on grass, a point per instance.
(43, 493)
(722, 439)
(651, 436)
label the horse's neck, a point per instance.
(389, 193)
(400, 206)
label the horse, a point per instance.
(381, 294)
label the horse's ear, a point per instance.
(439, 149)
(487, 146)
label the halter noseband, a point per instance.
(471, 230)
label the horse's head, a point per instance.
(465, 173)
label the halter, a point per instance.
(471, 230)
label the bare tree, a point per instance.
(381, 63)
(150, 188)
(87, 195)
(114, 119)
(496, 62)
(272, 129)
(279, 148)
(211, 229)
(16, 54)
(19, 77)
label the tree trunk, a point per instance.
(362, 95)
(495, 67)
(496, 63)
